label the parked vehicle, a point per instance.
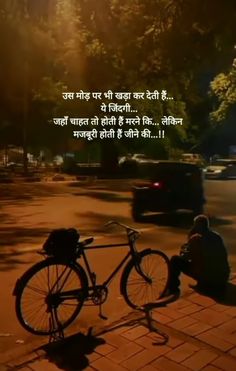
(221, 168)
(193, 158)
(14, 166)
(134, 158)
(129, 165)
(168, 186)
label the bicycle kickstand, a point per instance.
(100, 313)
(54, 324)
(161, 337)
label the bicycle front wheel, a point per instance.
(47, 288)
(146, 281)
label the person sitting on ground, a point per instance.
(204, 258)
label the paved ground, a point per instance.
(193, 333)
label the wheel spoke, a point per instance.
(138, 291)
(39, 295)
(39, 291)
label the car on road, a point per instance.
(167, 186)
(193, 158)
(129, 164)
(134, 158)
(221, 168)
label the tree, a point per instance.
(176, 45)
(128, 36)
(223, 87)
(27, 53)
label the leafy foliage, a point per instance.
(124, 45)
(223, 87)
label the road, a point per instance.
(29, 212)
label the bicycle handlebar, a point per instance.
(127, 227)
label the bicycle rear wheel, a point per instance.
(137, 290)
(39, 296)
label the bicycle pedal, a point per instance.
(102, 316)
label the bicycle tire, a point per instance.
(27, 289)
(133, 284)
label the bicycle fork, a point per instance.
(142, 274)
(139, 270)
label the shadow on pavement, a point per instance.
(114, 185)
(21, 193)
(11, 236)
(104, 196)
(70, 354)
(97, 222)
(9, 261)
(6, 218)
(228, 298)
(180, 220)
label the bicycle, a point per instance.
(50, 295)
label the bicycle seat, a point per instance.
(41, 252)
(86, 242)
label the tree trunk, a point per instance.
(25, 116)
(109, 157)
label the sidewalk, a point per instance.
(193, 333)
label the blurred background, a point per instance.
(53, 46)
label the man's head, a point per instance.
(201, 224)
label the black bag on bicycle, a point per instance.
(62, 243)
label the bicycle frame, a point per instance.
(132, 252)
(72, 282)
(92, 275)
